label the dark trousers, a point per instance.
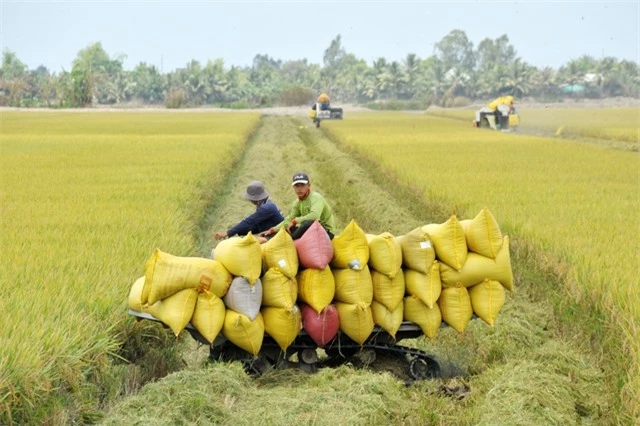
(299, 230)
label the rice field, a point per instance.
(86, 198)
(577, 202)
(612, 124)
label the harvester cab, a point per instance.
(322, 110)
(500, 114)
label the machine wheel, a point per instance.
(307, 359)
(421, 369)
(308, 356)
(418, 369)
(258, 366)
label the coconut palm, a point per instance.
(517, 81)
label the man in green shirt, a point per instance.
(309, 207)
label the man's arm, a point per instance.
(248, 223)
(295, 210)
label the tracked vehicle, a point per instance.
(408, 363)
(322, 110)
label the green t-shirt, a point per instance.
(314, 207)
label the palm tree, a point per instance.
(545, 81)
(215, 81)
(411, 69)
(119, 87)
(518, 79)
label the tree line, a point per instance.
(457, 72)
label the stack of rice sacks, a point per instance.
(451, 252)
(422, 281)
(243, 323)
(316, 286)
(476, 284)
(354, 288)
(282, 318)
(435, 273)
(387, 279)
(179, 290)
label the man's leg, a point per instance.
(299, 230)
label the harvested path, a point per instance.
(356, 190)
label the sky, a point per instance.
(169, 34)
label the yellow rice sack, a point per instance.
(449, 242)
(487, 298)
(386, 291)
(283, 325)
(417, 250)
(483, 234)
(208, 316)
(280, 253)
(176, 310)
(428, 319)
(353, 286)
(278, 290)
(135, 295)
(426, 287)
(166, 274)
(455, 306)
(356, 321)
(385, 253)
(243, 332)
(477, 268)
(389, 321)
(241, 256)
(316, 288)
(350, 248)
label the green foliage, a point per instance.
(148, 84)
(455, 69)
(12, 67)
(295, 96)
(175, 98)
(79, 88)
(149, 350)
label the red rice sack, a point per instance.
(321, 327)
(314, 248)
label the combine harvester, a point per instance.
(321, 110)
(500, 114)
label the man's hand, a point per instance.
(220, 235)
(268, 232)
